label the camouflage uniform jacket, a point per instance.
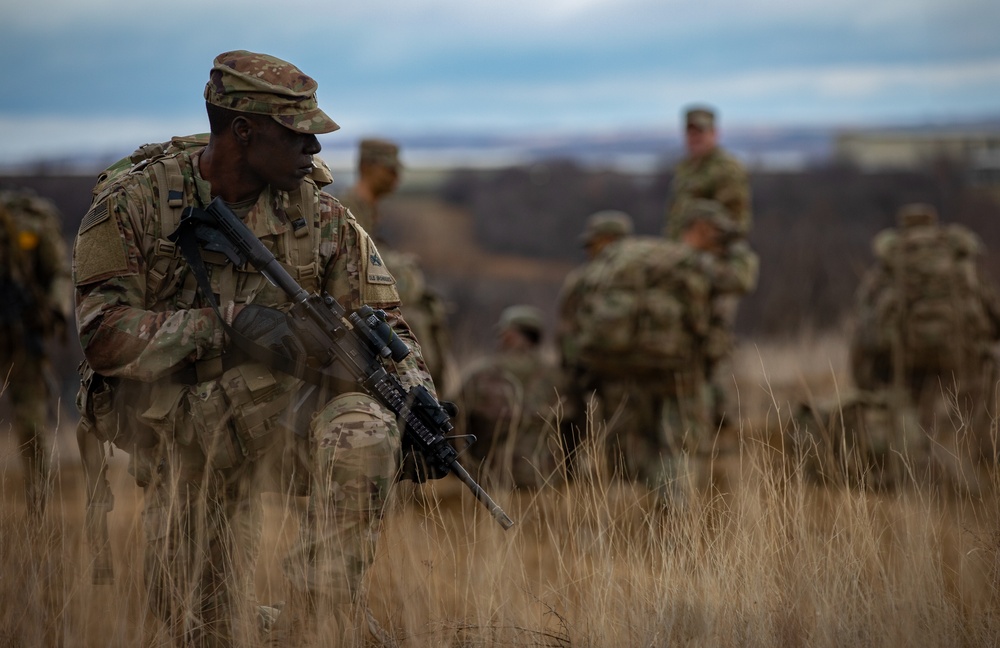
(140, 315)
(733, 274)
(570, 297)
(365, 212)
(717, 176)
(427, 310)
(34, 269)
(427, 313)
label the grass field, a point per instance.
(766, 557)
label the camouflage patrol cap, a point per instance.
(915, 214)
(711, 211)
(700, 117)
(523, 317)
(264, 85)
(378, 151)
(609, 222)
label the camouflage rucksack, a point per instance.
(644, 307)
(931, 308)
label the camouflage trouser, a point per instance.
(23, 381)
(203, 528)
(655, 430)
(347, 468)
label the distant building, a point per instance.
(977, 150)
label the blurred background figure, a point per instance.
(709, 172)
(511, 401)
(35, 295)
(639, 327)
(600, 230)
(927, 322)
(379, 172)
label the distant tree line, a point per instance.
(812, 228)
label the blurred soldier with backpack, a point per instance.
(510, 402)
(378, 173)
(601, 229)
(640, 327)
(35, 303)
(927, 320)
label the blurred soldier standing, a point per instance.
(510, 400)
(927, 321)
(379, 171)
(201, 420)
(709, 172)
(601, 229)
(640, 328)
(35, 303)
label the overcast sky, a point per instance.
(106, 75)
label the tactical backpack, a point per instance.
(644, 307)
(931, 309)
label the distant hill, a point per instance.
(644, 151)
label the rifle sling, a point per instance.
(187, 239)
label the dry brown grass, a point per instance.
(766, 558)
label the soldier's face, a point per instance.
(703, 235)
(383, 179)
(699, 141)
(279, 156)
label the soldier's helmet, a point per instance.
(916, 215)
(264, 85)
(609, 222)
(524, 318)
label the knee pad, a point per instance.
(356, 447)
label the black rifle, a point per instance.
(354, 344)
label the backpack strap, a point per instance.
(302, 244)
(170, 185)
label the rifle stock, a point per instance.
(354, 345)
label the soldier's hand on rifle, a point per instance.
(269, 328)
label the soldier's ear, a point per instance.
(242, 128)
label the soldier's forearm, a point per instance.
(146, 346)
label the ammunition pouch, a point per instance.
(229, 419)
